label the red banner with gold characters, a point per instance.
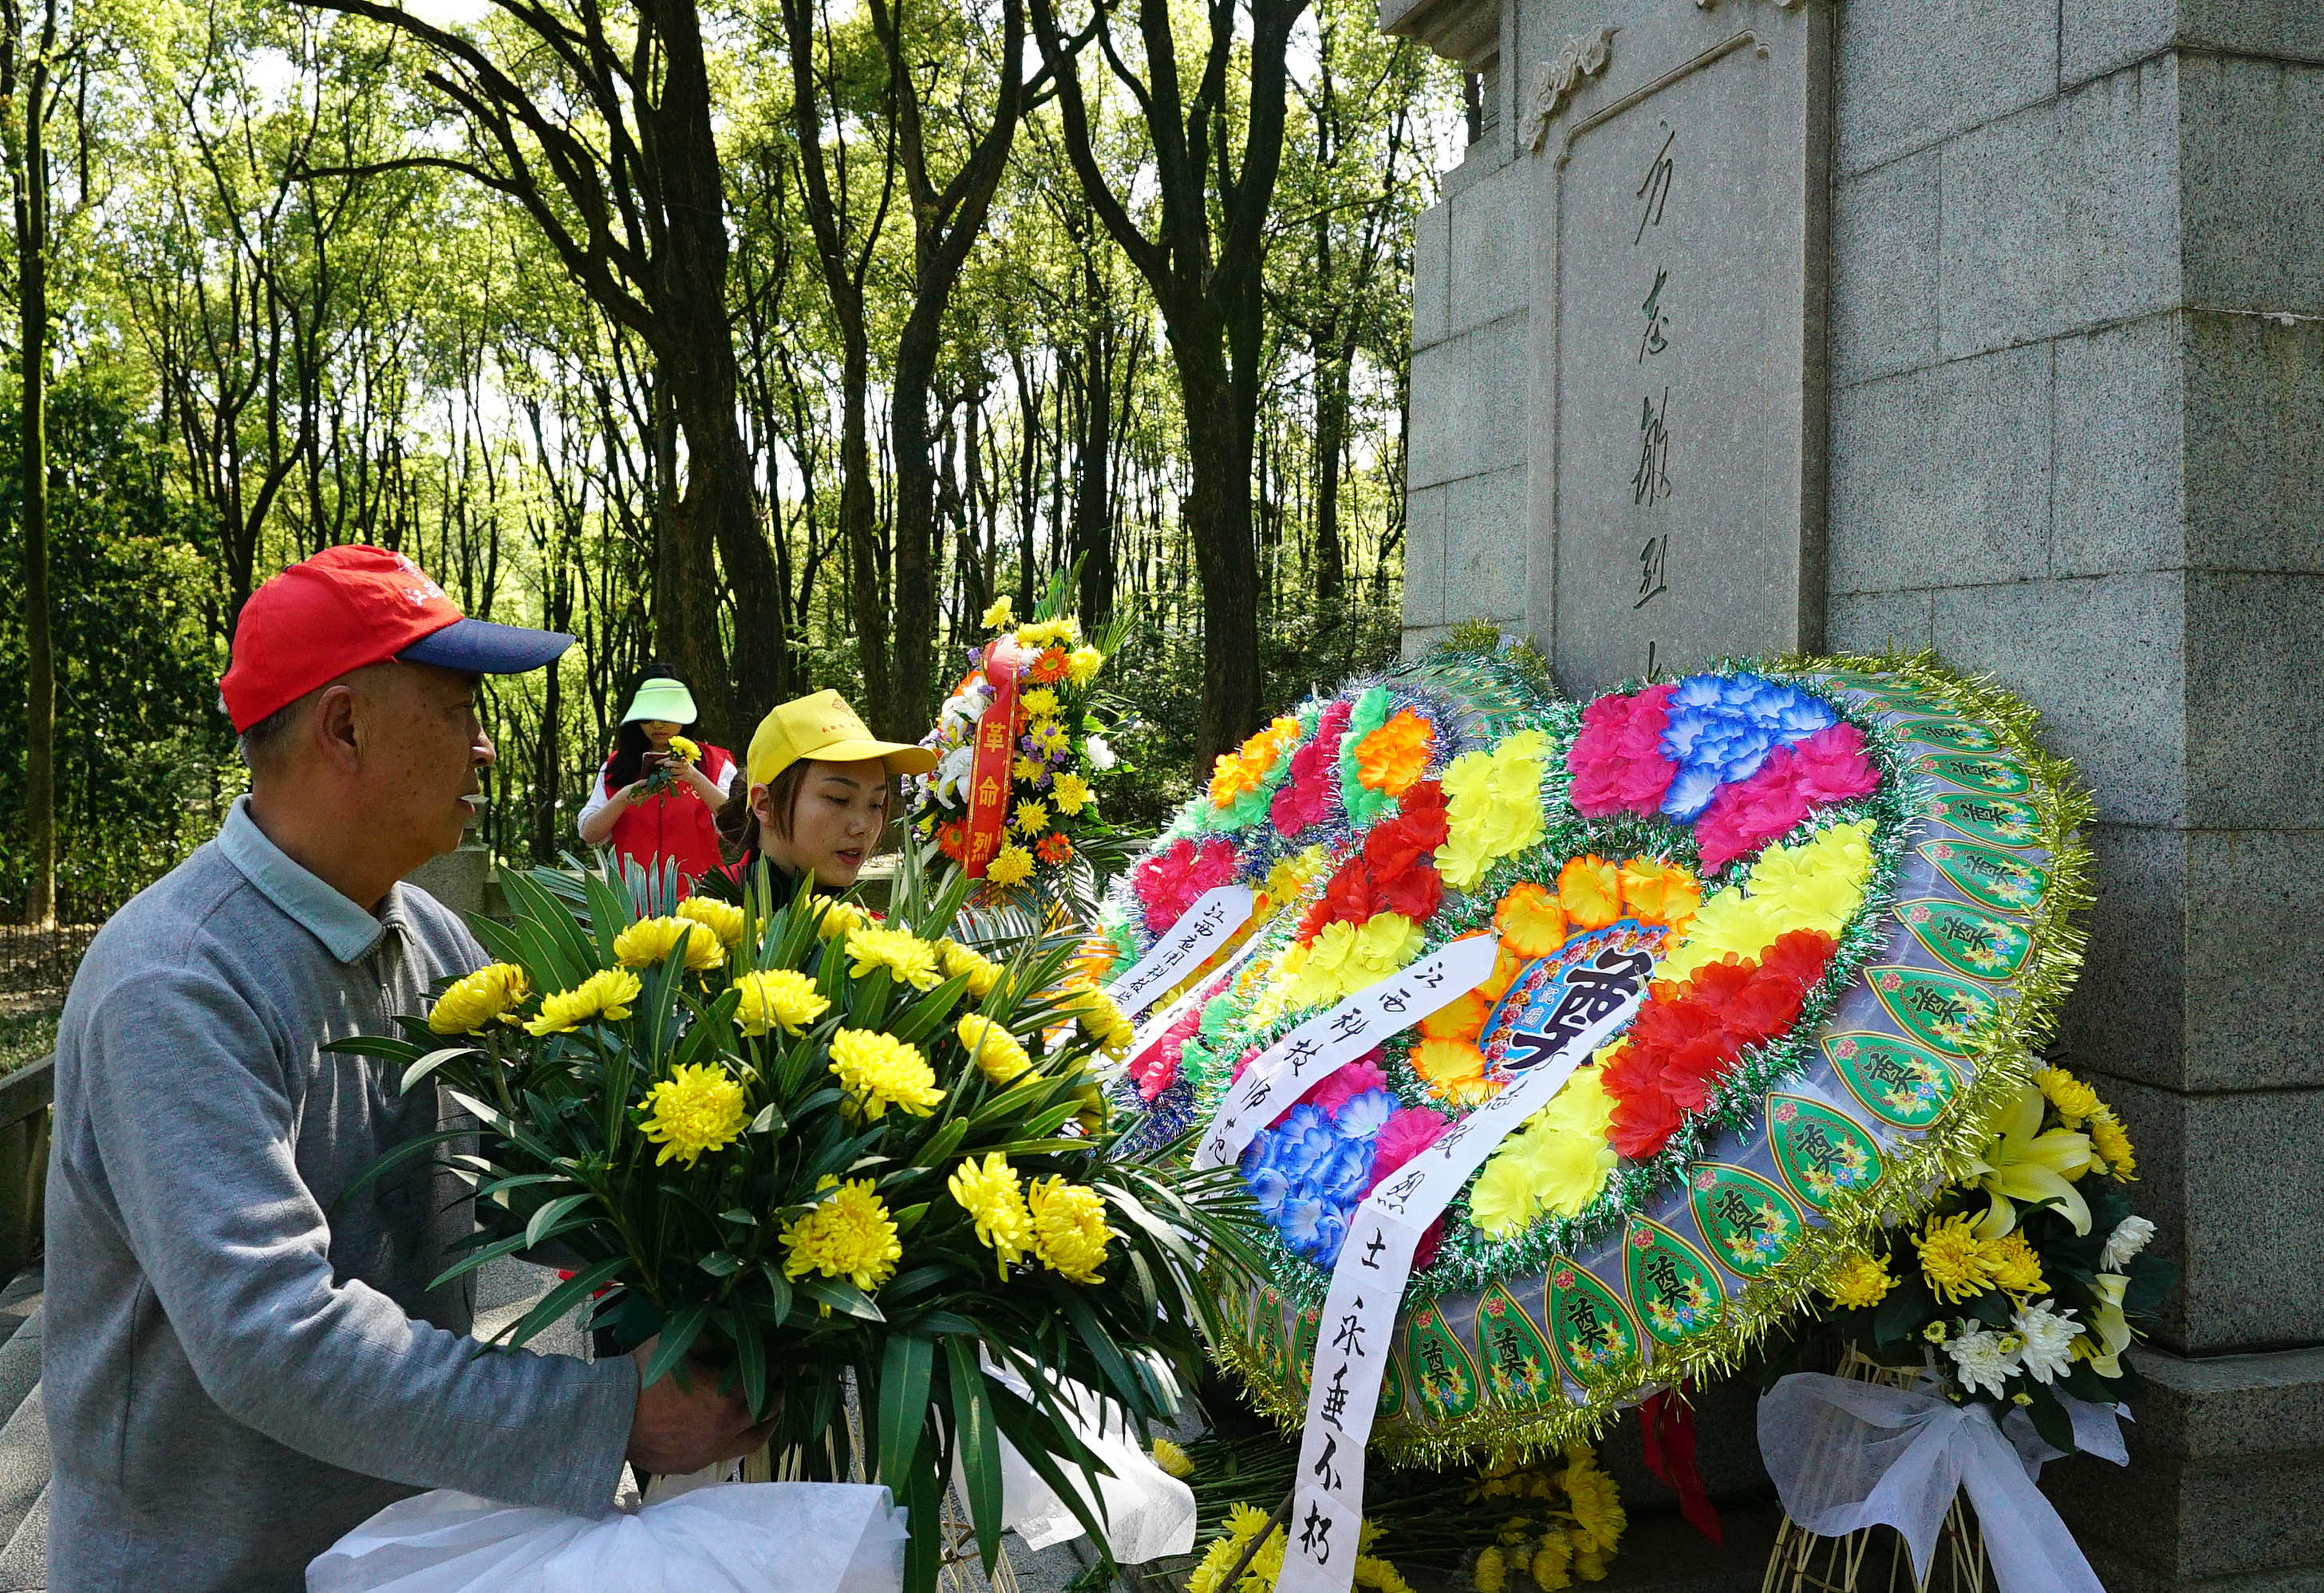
(989, 778)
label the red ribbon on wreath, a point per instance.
(989, 777)
(1666, 1426)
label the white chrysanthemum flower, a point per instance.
(2128, 1239)
(2049, 1335)
(1100, 755)
(953, 772)
(1984, 1358)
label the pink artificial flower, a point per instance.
(1432, 1238)
(1305, 798)
(1334, 1089)
(1155, 1068)
(1617, 760)
(1170, 880)
(1245, 1060)
(1828, 766)
(1408, 1131)
(1833, 767)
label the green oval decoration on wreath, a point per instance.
(1854, 878)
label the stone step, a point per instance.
(25, 1562)
(20, 1301)
(23, 1462)
(20, 1366)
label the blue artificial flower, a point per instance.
(1302, 1141)
(1721, 729)
(1268, 1188)
(1313, 1226)
(1690, 790)
(1363, 1116)
(1341, 1176)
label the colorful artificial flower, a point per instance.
(1616, 761)
(848, 1236)
(1245, 771)
(603, 996)
(1531, 921)
(1493, 807)
(778, 998)
(695, 1110)
(1590, 890)
(1305, 799)
(493, 991)
(1827, 767)
(1170, 882)
(878, 1071)
(1394, 757)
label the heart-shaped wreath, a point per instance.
(1853, 879)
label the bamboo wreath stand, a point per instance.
(1875, 1559)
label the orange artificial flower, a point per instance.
(1589, 889)
(1453, 1070)
(1053, 848)
(1246, 768)
(1463, 1019)
(1658, 892)
(1049, 667)
(1393, 757)
(1506, 965)
(1531, 921)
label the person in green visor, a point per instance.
(657, 800)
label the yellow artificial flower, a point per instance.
(646, 942)
(849, 1235)
(1556, 1165)
(994, 1049)
(1083, 664)
(1957, 1264)
(1032, 818)
(1492, 806)
(908, 959)
(1819, 883)
(1501, 1202)
(1344, 959)
(1453, 1070)
(2024, 1163)
(990, 1193)
(1040, 703)
(722, 919)
(2074, 1099)
(1071, 793)
(1013, 866)
(1858, 1280)
(684, 750)
(980, 971)
(878, 1071)
(695, 1110)
(1290, 877)
(1069, 1229)
(1729, 923)
(780, 998)
(1174, 1460)
(1001, 614)
(493, 991)
(2112, 1144)
(2016, 1265)
(604, 995)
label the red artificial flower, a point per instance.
(1169, 881)
(1644, 1123)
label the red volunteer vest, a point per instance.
(673, 823)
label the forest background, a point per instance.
(773, 337)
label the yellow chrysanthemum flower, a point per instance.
(849, 1236)
(1032, 818)
(2016, 1265)
(1553, 1562)
(981, 972)
(1492, 1574)
(1040, 703)
(1102, 1021)
(1071, 793)
(1857, 1280)
(990, 1193)
(602, 996)
(1173, 1459)
(722, 919)
(993, 1049)
(1083, 664)
(493, 991)
(908, 959)
(1013, 866)
(1001, 614)
(695, 1110)
(2111, 1143)
(682, 748)
(646, 942)
(1069, 1229)
(1956, 1263)
(780, 998)
(2075, 1101)
(1598, 1519)
(1028, 769)
(878, 1071)
(835, 919)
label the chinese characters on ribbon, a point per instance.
(1200, 931)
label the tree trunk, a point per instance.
(40, 652)
(1330, 443)
(1219, 519)
(1092, 524)
(915, 621)
(859, 530)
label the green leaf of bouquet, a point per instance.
(867, 997)
(418, 1146)
(520, 1181)
(842, 1296)
(980, 1446)
(945, 1324)
(750, 1360)
(1040, 1436)
(507, 1246)
(563, 1298)
(909, 1219)
(720, 1264)
(533, 905)
(942, 1143)
(923, 1551)
(431, 1063)
(779, 1291)
(610, 913)
(1100, 1343)
(384, 1046)
(736, 1214)
(1903, 1313)
(906, 1366)
(766, 1121)
(505, 944)
(1992, 1309)
(550, 1214)
(922, 1017)
(2050, 1421)
(678, 1337)
(492, 1119)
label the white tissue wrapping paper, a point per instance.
(761, 1537)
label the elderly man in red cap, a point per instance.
(242, 1361)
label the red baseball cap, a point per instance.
(347, 607)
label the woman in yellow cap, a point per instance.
(817, 794)
(652, 802)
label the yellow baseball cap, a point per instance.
(824, 726)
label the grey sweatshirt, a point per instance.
(237, 1370)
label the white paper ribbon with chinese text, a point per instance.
(1284, 1071)
(1201, 930)
(1359, 1325)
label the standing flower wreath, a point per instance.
(1021, 752)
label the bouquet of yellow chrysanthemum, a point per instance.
(812, 1149)
(1040, 820)
(2026, 1279)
